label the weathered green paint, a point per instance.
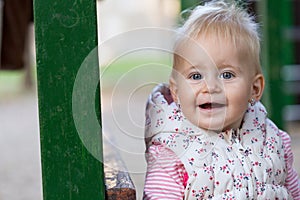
(276, 52)
(66, 32)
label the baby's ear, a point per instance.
(173, 89)
(258, 86)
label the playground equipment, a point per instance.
(66, 32)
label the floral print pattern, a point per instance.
(236, 164)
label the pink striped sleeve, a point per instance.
(165, 175)
(292, 180)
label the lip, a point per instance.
(211, 106)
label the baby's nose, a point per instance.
(212, 85)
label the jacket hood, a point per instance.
(163, 115)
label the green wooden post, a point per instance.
(185, 4)
(66, 32)
(276, 52)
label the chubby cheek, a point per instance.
(187, 99)
(186, 93)
(238, 101)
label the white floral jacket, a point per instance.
(247, 163)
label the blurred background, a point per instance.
(127, 81)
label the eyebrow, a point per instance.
(229, 66)
(218, 67)
(192, 67)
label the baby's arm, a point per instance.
(292, 180)
(165, 174)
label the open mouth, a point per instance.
(211, 105)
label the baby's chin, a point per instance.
(215, 124)
(215, 127)
(221, 128)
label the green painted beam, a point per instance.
(276, 52)
(66, 32)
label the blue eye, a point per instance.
(226, 75)
(196, 76)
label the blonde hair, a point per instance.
(226, 21)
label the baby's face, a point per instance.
(212, 84)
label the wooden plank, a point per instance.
(119, 185)
(66, 32)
